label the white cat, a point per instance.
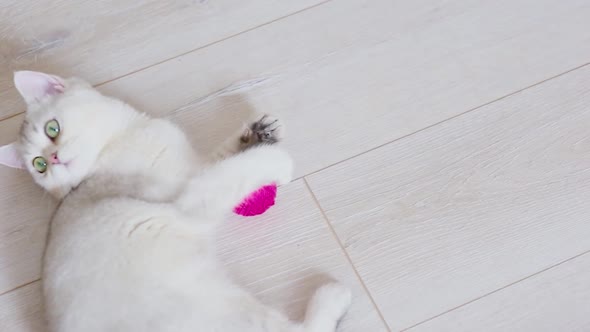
(130, 245)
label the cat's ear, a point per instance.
(9, 156)
(33, 86)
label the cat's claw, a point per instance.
(267, 130)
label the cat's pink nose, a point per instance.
(54, 159)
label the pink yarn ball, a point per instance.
(257, 202)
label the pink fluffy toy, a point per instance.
(257, 202)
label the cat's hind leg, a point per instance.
(325, 309)
(327, 306)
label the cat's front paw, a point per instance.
(267, 130)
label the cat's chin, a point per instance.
(67, 180)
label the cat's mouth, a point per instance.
(55, 160)
(65, 164)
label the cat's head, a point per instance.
(67, 124)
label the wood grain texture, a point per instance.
(456, 211)
(102, 40)
(378, 71)
(288, 252)
(22, 310)
(351, 75)
(555, 300)
(281, 256)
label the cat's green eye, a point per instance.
(40, 164)
(52, 129)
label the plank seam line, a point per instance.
(445, 120)
(499, 289)
(20, 286)
(200, 47)
(340, 244)
(219, 41)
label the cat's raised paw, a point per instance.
(267, 130)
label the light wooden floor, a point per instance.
(442, 147)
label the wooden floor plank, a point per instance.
(459, 210)
(281, 256)
(554, 300)
(284, 255)
(102, 40)
(22, 310)
(351, 75)
(380, 70)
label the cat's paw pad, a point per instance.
(267, 130)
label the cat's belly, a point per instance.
(109, 261)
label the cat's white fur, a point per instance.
(130, 245)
